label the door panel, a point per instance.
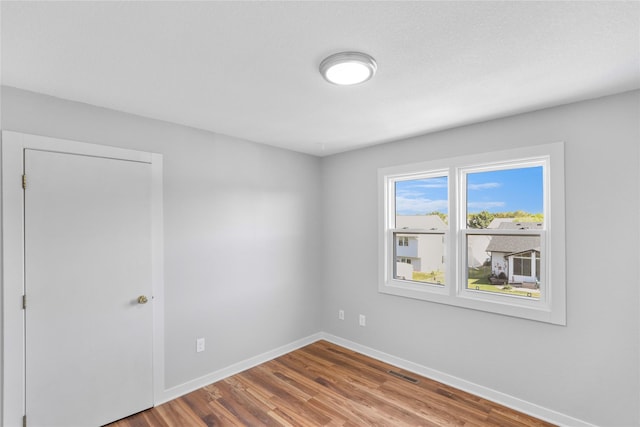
(87, 259)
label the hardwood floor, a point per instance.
(323, 384)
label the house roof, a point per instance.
(496, 222)
(425, 222)
(515, 244)
(511, 225)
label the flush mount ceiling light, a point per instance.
(348, 68)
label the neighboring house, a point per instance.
(518, 257)
(477, 245)
(477, 250)
(495, 222)
(423, 252)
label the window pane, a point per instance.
(421, 259)
(509, 196)
(422, 203)
(505, 264)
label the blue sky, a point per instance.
(421, 196)
(496, 191)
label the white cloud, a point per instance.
(405, 206)
(442, 184)
(409, 194)
(485, 205)
(484, 186)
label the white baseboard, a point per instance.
(189, 386)
(481, 391)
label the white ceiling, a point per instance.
(249, 69)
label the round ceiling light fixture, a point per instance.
(348, 68)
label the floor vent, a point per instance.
(403, 377)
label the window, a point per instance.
(475, 232)
(419, 226)
(526, 265)
(504, 217)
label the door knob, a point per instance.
(142, 299)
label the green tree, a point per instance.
(480, 220)
(444, 217)
(530, 218)
(520, 216)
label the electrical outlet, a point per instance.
(363, 320)
(341, 314)
(199, 345)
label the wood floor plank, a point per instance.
(177, 412)
(326, 385)
(198, 402)
(243, 405)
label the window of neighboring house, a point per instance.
(480, 228)
(405, 260)
(525, 264)
(521, 266)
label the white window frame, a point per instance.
(551, 306)
(405, 287)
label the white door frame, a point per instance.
(12, 392)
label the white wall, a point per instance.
(225, 201)
(590, 368)
(315, 251)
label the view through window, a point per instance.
(482, 231)
(504, 208)
(421, 219)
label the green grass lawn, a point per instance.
(480, 275)
(478, 279)
(496, 289)
(434, 277)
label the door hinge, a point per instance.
(24, 421)
(24, 302)
(24, 181)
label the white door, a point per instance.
(87, 261)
